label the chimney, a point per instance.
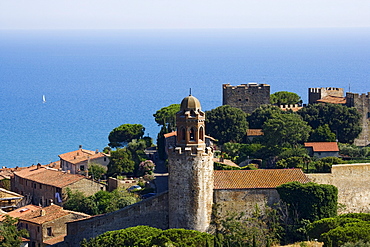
(38, 166)
(80, 147)
(42, 212)
(96, 151)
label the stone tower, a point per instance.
(247, 97)
(190, 168)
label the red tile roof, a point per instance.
(42, 215)
(55, 240)
(49, 176)
(81, 155)
(322, 146)
(257, 179)
(20, 212)
(332, 100)
(254, 132)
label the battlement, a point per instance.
(320, 89)
(191, 151)
(246, 97)
(315, 94)
(245, 86)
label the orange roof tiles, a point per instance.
(22, 211)
(322, 146)
(48, 176)
(254, 132)
(46, 214)
(55, 240)
(173, 133)
(257, 179)
(332, 100)
(81, 155)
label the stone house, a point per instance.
(77, 162)
(322, 149)
(46, 226)
(9, 199)
(44, 185)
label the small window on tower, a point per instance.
(201, 133)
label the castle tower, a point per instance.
(190, 168)
(247, 97)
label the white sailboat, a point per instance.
(43, 99)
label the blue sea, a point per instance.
(96, 80)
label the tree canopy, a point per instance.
(285, 98)
(150, 236)
(342, 120)
(226, 124)
(166, 116)
(285, 130)
(9, 233)
(120, 161)
(262, 114)
(125, 133)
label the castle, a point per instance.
(336, 96)
(195, 189)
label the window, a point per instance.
(34, 185)
(82, 168)
(49, 231)
(201, 133)
(192, 134)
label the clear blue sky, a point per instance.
(122, 14)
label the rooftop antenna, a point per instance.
(349, 86)
(190, 91)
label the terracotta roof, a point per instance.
(81, 155)
(22, 211)
(257, 179)
(254, 132)
(46, 214)
(49, 176)
(332, 100)
(225, 162)
(322, 146)
(55, 240)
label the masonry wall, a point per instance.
(353, 183)
(362, 104)
(247, 97)
(87, 186)
(244, 201)
(152, 212)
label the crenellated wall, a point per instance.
(315, 94)
(247, 97)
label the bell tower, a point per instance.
(190, 167)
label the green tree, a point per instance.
(342, 120)
(262, 114)
(10, 235)
(310, 201)
(285, 98)
(125, 133)
(97, 171)
(146, 236)
(166, 116)
(120, 162)
(226, 124)
(322, 134)
(285, 130)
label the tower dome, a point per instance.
(190, 103)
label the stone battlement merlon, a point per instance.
(245, 86)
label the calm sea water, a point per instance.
(96, 80)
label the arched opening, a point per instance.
(192, 134)
(201, 133)
(183, 134)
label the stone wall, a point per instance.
(152, 212)
(315, 94)
(362, 104)
(353, 183)
(244, 201)
(247, 97)
(114, 183)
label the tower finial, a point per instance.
(189, 91)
